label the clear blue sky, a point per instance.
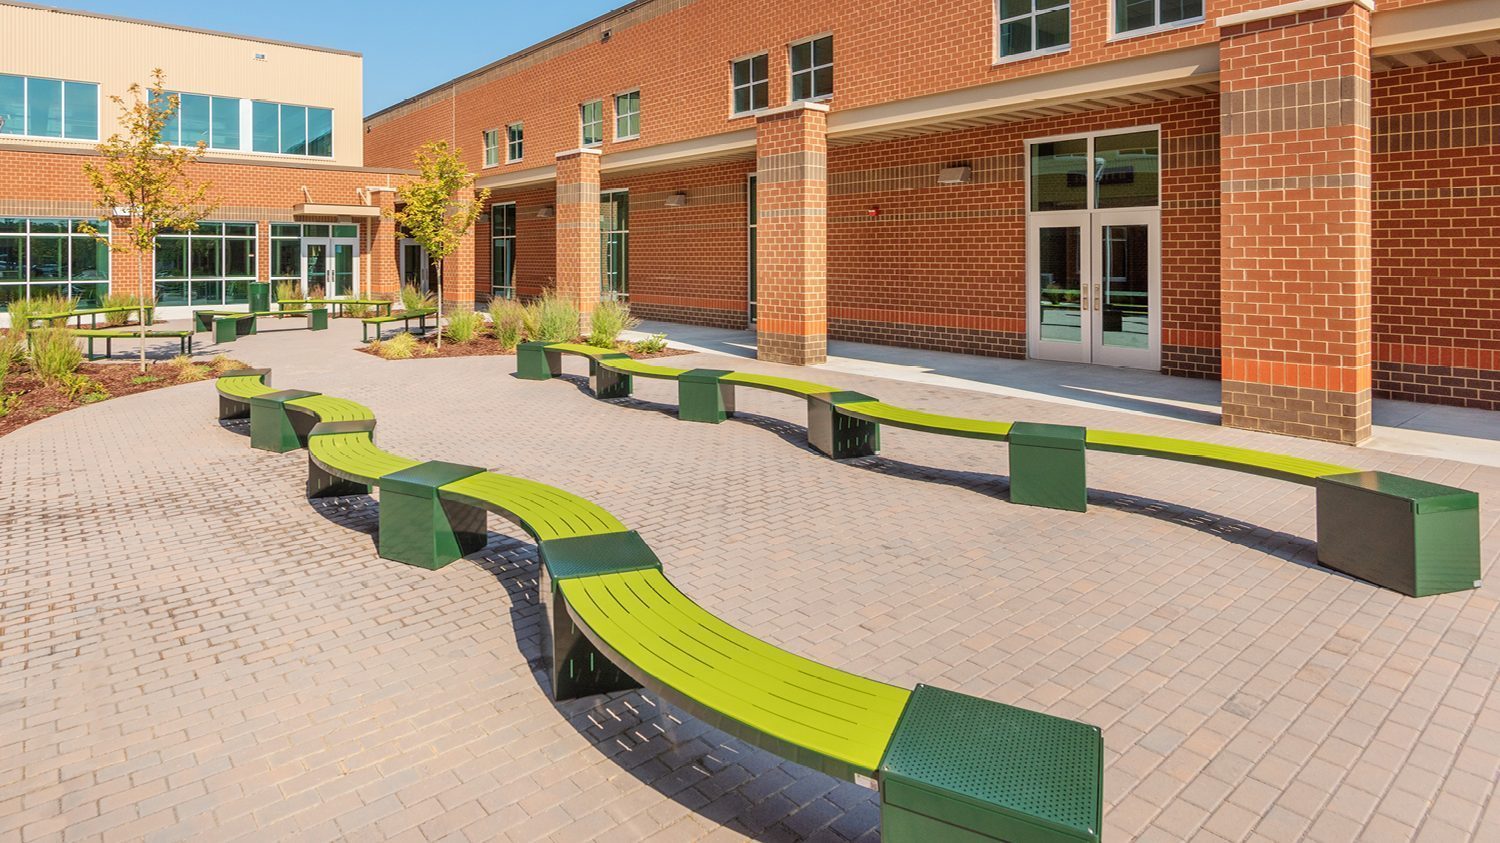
(408, 46)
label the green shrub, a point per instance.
(653, 344)
(115, 320)
(188, 368)
(357, 311)
(82, 389)
(402, 346)
(22, 311)
(414, 299)
(609, 319)
(7, 401)
(531, 320)
(557, 320)
(289, 291)
(507, 320)
(55, 304)
(54, 354)
(463, 325)
(222, 363)
(316, 291)
(12, 353)
(142, 380)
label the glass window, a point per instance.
(81, 110)
(1135, 15)
(225, 130)
(12, 105)
(812, 69)
(628, 115)
(1059, 175)
(1028, 26)
(294, 130)
(1125, 170)
(503, 251)
(193, 115)
(614, 232)
(286, 252)
(39, 256)
(348, 231)
(44, 108)
(265, 133)
(209, 266)
(751, 81)
(591, 120)
(514, 138)
(320, 132)
(491, 147)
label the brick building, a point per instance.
(285, 160)
(1298, 198)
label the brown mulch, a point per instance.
(39, 400)
(488, 346)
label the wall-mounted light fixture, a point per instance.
(956, 175)
(874, 211)
(676, 200)
(544, 213)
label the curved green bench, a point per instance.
(93, 313)
(1409, 535)
(948, 766)
(237, 388)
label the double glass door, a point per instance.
(332, 264)
(416, 268)
(1093, 287)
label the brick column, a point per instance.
(458, 274)
(1295, 221)
(791, 148)
(577, 216)
(382, 274)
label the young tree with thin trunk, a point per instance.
(143, 182)
(438, 207)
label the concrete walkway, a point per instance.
(189, 650)
(1401, 427)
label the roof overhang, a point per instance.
(308, 209)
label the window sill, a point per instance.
(627, 138)
(1166, 27)
(1034, 54)
(512, 160)
(824, 98)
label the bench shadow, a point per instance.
(790, 432)
(239, 427)
(722, 779)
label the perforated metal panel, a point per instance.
(995, 768)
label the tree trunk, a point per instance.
(440, 306)
(140, 280)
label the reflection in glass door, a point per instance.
(414, 265)
(315, 269)
(330, 265)
(1058, 298)
(343, 269)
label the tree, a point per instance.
(433, 210)
(144, 182)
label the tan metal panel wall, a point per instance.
(115, 53)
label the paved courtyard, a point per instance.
(189, 650)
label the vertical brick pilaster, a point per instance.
(383, 273)
(577, 215)
(458, 274)
(1295, 223)
(791, 148)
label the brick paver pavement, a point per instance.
(190, 650)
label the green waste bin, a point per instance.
(1047, 466)
(1408, 535)
(260, 297)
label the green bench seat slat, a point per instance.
(791, 386)
(883, 413)
(619, 361)
(711, 666)
(546, 512)
(126, 333)
(331, 409)
(1279, 466)
(354, 456)
(397, 316)
(242, 386)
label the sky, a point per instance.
(405, 52)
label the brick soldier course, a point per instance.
(237, 663)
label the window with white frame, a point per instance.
(591, 122)
(53, 257)
(1032, 26)
(291, 129)
(750, 78)
(491, 147)
(48, 108)
(812, 69)
(199, 118)
(628, 115)
(212, 264)
(1146, 15)
(514, 142)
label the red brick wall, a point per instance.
(944, 266)
(1436, 299)
(53, 183)
(884, 50)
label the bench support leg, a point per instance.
(321, 484)
(1047, 466)
(418, 527)
(226, 330)
(318, 321)
(535, 362)
(272, 426)
(608, 383)
(702, 397)
(577, 668)
(836, 435)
